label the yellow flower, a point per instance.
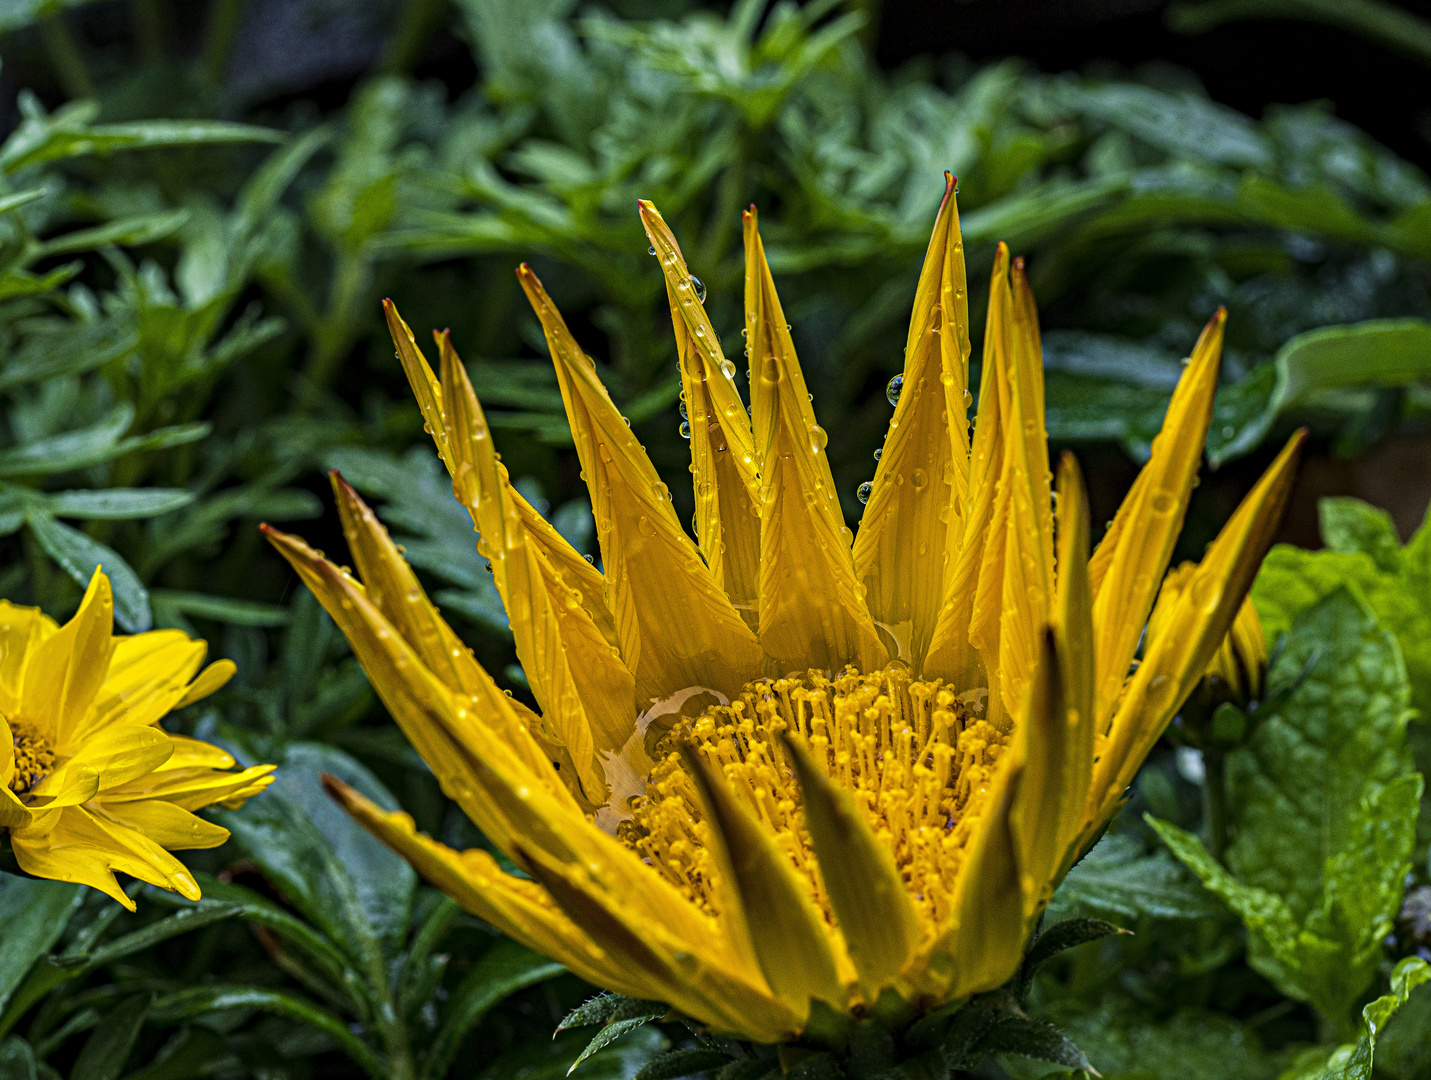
(89, 781)
(785, 765)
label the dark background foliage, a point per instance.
(190, 270)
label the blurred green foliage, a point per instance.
(190, 334)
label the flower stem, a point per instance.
(1214, 801)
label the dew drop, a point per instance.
(651, 250)
(818, 439)
(968, 399)
(685, 429)
(892, 389)
(647, 526)
(682, 406)
(727, 369)
(919, 478)
(662, 491)
(878, 452)
(863, 494)
(847, 534)
(699, 288)
(589, 559)
(626, 420)
(1162, 503)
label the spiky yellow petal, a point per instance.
(812, 607)
(655, 578)
(1128, 565)
(727, 481)
(913, 519)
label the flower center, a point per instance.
(33, 759)
(914, 754)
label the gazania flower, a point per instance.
(90, 783)
(779, 765)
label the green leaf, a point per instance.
(17, 1060)
(344, 880)
(677, 1063)
(1013, 1034)
(33, 915)
(117, 504)
(1324, 803)
(36, 142)
(1118, 880)
(202, 1000)
(542, 1060)
(503, 970)
(126, 232)
(220, 608)
(71, 450)
(79, 555)
(1378, 353)
(1354, 1061)
(1068, 934)
(109, 1047)
(613, 1031)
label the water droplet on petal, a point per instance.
(863, 494)
(1162, 502)
(651, 250)
(818, 439)
(727, 369)
(647, 526)
(892, 389)
(878, 452)
(685, 429)
(662, 491)
(919, 479)
(699, 288)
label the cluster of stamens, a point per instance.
(914, 755)
(33, 760)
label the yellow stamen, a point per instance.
(33, 759)
(914, 755)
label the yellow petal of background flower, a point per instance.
(761, 892)
(1175, 660)
(655, 578)
(912, 522)
(876, 917)
(812, 607)
(67, 669)
(1128, 566)
(727, 482)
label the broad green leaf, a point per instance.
(1323, 802)
(1379, 353)
(79, 556)
(117, 504)
(1354, 1061)
(33, 915)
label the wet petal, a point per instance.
(21, 631)
(912, 522)
(773, 904)
(869, 898)
(212, 678)
(727, 482)
(1175, 660)
(585, 690)
(812, 607)
(1129, 564)
(164, 823)
(68, 668)
(655, 578)
(964, 622)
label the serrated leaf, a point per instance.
(1011, 1034)
(1116, 878)
(677, 1063)
(1323, 800)
(1354, 1061)
(1059, 937)
(613, 1030)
